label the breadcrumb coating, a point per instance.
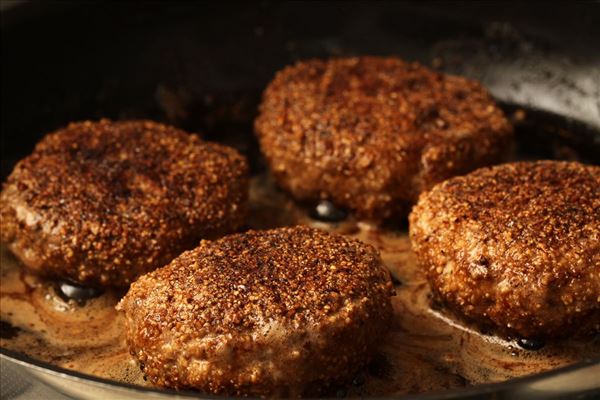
(100, 203)
(261, 313)
(371, 133)
(516, 247)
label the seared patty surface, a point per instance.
(284, 312)
(100, 203)
(515, 247)
(371, 133)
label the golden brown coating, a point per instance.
(284, 312)
(371, 133)
(516, 247)
(101, 203)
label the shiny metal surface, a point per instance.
(580, 381)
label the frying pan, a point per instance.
(202, 66)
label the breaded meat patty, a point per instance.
(100, 203)
(370, 133)
(515, 247)
(284, 312)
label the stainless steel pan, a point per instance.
(202, 66)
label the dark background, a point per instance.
(202, 66)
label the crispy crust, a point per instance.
(260, 313)
(102, 202)
(371, 133)
(516, 247)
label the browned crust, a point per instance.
(516, 247)
(260, 313)
(103, 202)
(371, 133)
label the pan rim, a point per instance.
(476, 390)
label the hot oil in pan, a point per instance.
(424, 350)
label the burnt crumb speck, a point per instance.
(8, 331)
(483, 261)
